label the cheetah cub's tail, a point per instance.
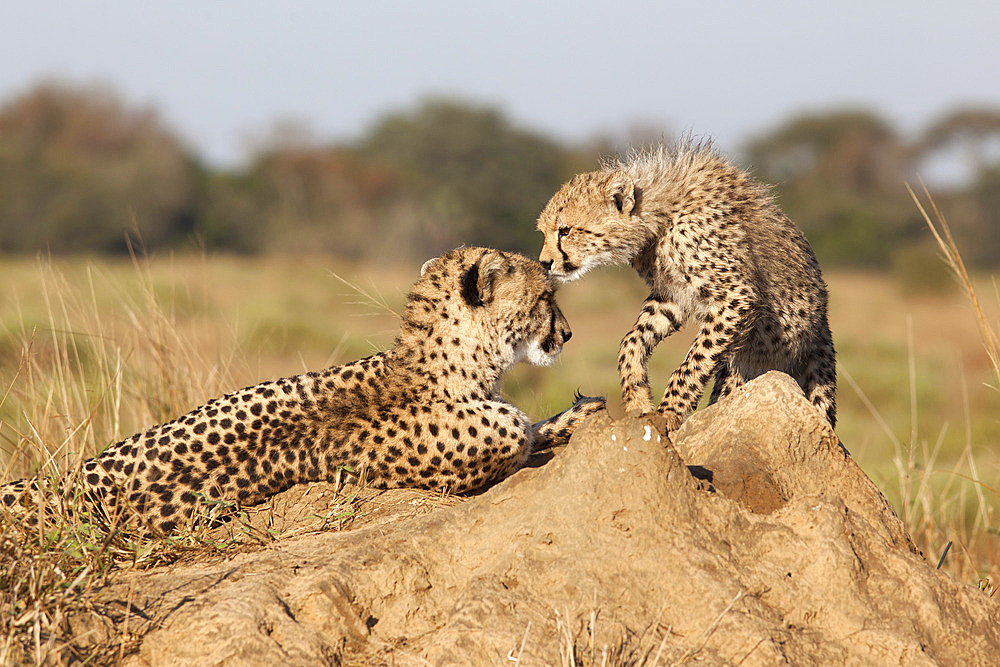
(556, 430)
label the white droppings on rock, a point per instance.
(614, 438)
(625, 448)
(649, 433)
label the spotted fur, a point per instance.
(714, 249)
(426, 414)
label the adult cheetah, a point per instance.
(427, 413)
(714, 249)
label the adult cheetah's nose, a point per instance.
(547, 264)
(566, 335)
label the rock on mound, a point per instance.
(776, 548)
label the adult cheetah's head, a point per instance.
(591, 221)
(505, 300)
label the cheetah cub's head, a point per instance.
(508, 301)
(593, 220)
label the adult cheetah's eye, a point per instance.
(563, 231)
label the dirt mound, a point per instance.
(773, 545)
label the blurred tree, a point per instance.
(972, 130)
(230, 212)
(972, 135)
(977, 223)
(330, 199)
(78, 171)
(857, 149)
(840, 176)
(476, 177)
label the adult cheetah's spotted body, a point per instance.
(426, 413)
(713, 249)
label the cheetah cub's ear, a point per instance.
(479, 281)
(621, 192)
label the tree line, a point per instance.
(80, 171)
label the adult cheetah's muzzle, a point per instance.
(553, 342)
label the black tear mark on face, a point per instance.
(568, 266)
(470, 287)
(549, 344)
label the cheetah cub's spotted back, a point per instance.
(713, 249)
(427, 413)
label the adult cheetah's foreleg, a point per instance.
(721, 324)
(657, 320)
(460, 447)
(558, 429)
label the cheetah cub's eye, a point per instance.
(564, 231)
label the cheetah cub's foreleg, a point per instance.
(656, 321)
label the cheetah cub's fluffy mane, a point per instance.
(426, 413)
(714, 250)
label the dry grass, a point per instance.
(80, 376)
(935, 513)
(580, 643)
(91, 359)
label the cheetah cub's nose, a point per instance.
(547, 264)
(566, 335)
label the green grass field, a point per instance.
(92, 351)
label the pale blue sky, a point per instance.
(221, 70)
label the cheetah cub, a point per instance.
(427, 413)
(714, 249)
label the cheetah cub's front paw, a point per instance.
(637, 405)
(666, 421)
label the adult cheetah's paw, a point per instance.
(588, 405)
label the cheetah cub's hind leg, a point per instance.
(727, 380)
(820, 384)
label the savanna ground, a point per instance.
(94, 350)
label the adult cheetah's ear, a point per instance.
(427, 265)
(480, 279)
(621, 192)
